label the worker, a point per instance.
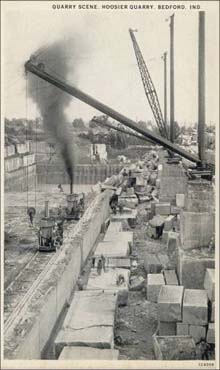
(113, 203)
(60, 188)
(103, 262)
(31, 217)
(204, 348)
(99, 267)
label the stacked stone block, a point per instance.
(169, 309)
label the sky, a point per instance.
(106, 66)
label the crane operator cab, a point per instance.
(75, 206)
(50, 234)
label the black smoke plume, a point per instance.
(60, 59)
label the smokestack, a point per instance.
(46, 208)
(201, 89)
(71, 187)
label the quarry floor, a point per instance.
(22, 261)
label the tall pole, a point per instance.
(164, 57)
(201, 88)
(172, 78)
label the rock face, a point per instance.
(209, 283)
(174, 348)
(195, 307)
(170, 303)
(192, 265)
(196, 229)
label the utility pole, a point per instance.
(164, 57)
(172, 78)
(201, 88)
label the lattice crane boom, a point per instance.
(149, 88)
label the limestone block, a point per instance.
(211, 333)
(167, 328)
(154, 283)
(180, 200)
(169, 222)
(198, 332)
(164, 260)
(170, 303)
(162, 208)
(115, 248)
(165, 236)
(114, 227)
(153, 208)
(196, 229)
(158, 183)
(174, 347)
(152, 264)
(170, 277)
(182, 329)
(192, 265)
(88, 353)
(96, 307)
(213, 311)
(173, 241)
(195, 307)
(209, 283)
(175, 210)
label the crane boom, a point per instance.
(79, 94)
(149, 88)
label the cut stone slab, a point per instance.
(211, 333)
(89, 321)
(192, 265)
(137, 283)
(116, 248)
(115, 227)
(154, 283)
(128, 215)
(128, 201)
(195, 307)
(108, 280)
(170, 303)
(87, 353)
(170, 277)
(209, 283)
(111, 262)
(174, 347)
(180, 200)
(169, 222)
(122, 236)
(182, 329)
(152, 265)
(198, 332)
(196, 229)
(162, 208)
(167, 328)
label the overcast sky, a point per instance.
(106, 67)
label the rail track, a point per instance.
(25, 285)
